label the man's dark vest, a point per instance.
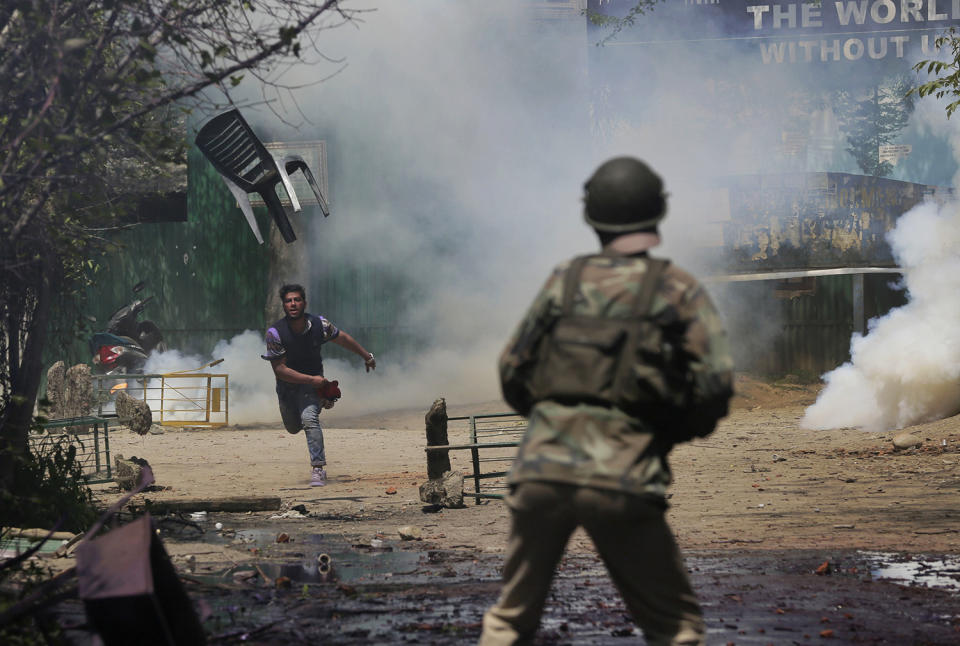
(302, 350)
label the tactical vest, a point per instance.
(621, 362)
(302, 350)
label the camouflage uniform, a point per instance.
(595, 466)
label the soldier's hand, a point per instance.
(370, 363)
(317, 381)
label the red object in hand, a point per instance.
(329, 391)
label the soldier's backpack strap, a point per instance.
(655, 267)
(589, 358)
(571, 282)
(625, 389)
(641, 305)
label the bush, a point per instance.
(48, 487)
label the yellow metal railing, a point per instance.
(176, 399)
(186, 403)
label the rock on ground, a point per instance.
(906, 441)
(446, 490)
(70, 392)
(127, 472)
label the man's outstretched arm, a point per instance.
(347, 342)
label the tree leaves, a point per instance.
(875, 119)
(93, 100)
(947, 83)
(617, 24)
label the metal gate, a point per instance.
(177, 399)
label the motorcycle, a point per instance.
(127, 342)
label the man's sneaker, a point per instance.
(319, 477)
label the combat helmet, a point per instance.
(624, 195)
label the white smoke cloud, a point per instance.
(251, 382)
(459, 136)
(458, 143)
(906, 370)
(252, 398)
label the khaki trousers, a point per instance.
(631, 536)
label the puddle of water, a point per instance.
(336, 562)
(941, 572)
(15, 546)
(346, 566)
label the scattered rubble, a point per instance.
(127, 472)
(446, 491)
(905, 441)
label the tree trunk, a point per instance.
(26, 375)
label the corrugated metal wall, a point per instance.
(367, 301)
(209, 278)
(208, 274)
(805, 335)
(816, 329)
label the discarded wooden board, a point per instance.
(131, 591)
(37, 534)
(235, 504)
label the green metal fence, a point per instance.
(91, 437)
(493, 441)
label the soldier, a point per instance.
(620, 357)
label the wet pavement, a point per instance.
(754, 597)
(319, 589)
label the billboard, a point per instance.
(751, 97)
(788, 32)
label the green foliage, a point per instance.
(615, 24)
(47, 488)
(93, 98)
(874, 119)
(946, 82)
(47, 491)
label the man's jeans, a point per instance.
(300, 409)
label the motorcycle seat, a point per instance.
(101, 339)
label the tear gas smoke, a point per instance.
(906, 369)
(253, 400)
(458, 143)
(251, 394)
(457, 158)
(459, 136)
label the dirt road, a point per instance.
(759, 498)
(758, 480)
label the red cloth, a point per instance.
(329, 391)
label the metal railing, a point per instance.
(91, 437)
(496, 435)
(176, 399)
